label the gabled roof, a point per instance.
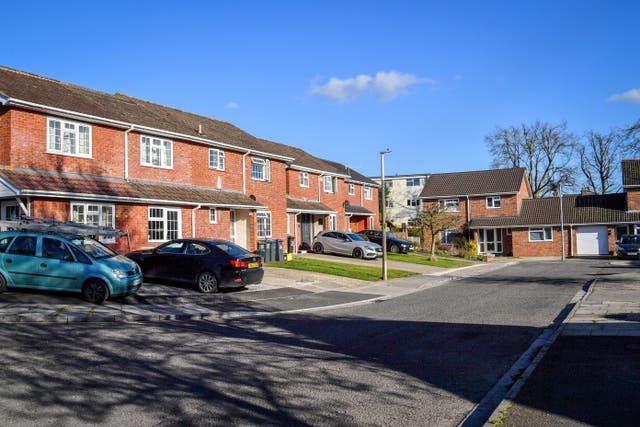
(354, 175)
(577, 210)
(307, 206)
(123, 110)
(630, 173)
(30, 182)
(474, 183)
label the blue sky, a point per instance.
(347, 79)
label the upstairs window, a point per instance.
(352, 189)
(69, 138)
(156, 152)
(413, 182)
(493, 202)
(450, 205)
(216, 159)
(368, 193)
(304, 179)
(260, 169)
(330, 184)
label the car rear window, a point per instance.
(4, 242)
(231, 249)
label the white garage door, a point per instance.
(592, 240)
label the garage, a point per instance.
(592, 240)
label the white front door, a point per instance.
(592, 240)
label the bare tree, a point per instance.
(599, 161)
(631, 141)
(544, 150)
(434, 219)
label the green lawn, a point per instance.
(424, 260)
(362, 272)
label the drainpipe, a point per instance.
(126, 152)
(193, 221)
(295, 229)
(468, 217)
(320, 184)
(244, 172)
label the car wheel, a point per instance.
(395, 249)
(95, 291)
(317, 248)
(357, 253)
(3, 284)
(207, 282)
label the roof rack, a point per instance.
(30, 223)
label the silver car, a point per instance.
(345, 243)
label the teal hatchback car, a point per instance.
(62, 262)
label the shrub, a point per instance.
(468, 248)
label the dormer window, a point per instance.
(68, 138)
(493, 202)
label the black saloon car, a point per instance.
(629, 246)
(394, 244)
(208, 264)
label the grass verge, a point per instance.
(362, 272)
(424, 260)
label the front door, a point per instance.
(306, 230)
(10, 210)
(490, 240)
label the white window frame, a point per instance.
(413, 202)
(330, 184)
(263, 231)
(496, 243)
(101, 220)
(146, 154)
(446, 236)
(368, 192)
(216, 159)
(388, 203)
(352, 189)
(332, 222)
(304, 179)
(450, 205)
(59, 139)
(264, 171)
(412, 182)
(494, 202)
(164, 219)
(546, 237)
(213, 216)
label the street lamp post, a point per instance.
(384, 220)
(558, 190)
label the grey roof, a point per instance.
(630, 173)
(354, 174)
(494, 181)
(577, 210)
(307, 206)
(357, 210)
(39, 182)
(301, 157)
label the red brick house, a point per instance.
(157, 173)
(503, 219)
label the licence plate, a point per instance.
(632, 253)
(254, 265)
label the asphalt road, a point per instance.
(423, 359)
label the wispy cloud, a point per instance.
(630, 97)
(384, 85)
(232, 105)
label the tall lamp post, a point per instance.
(558, 189)
(384, 219)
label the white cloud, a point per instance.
(385, 85)
(630, 97)
(232, 105)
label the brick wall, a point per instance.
(633, 200)
(509, 206)
(272, 194)
(5, 135)
(522, 247)
(296, 191)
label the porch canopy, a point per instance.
(308, 207)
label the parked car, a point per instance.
(345, 243)
(207, 264)
(629, 246)
(60, 262)
(394, 244)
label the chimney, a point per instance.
(584, 191)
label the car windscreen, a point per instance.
(630, 240)
(232, 250)
(356, 237)
(93, 248)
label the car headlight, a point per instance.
(370, 248)
(120, 274)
